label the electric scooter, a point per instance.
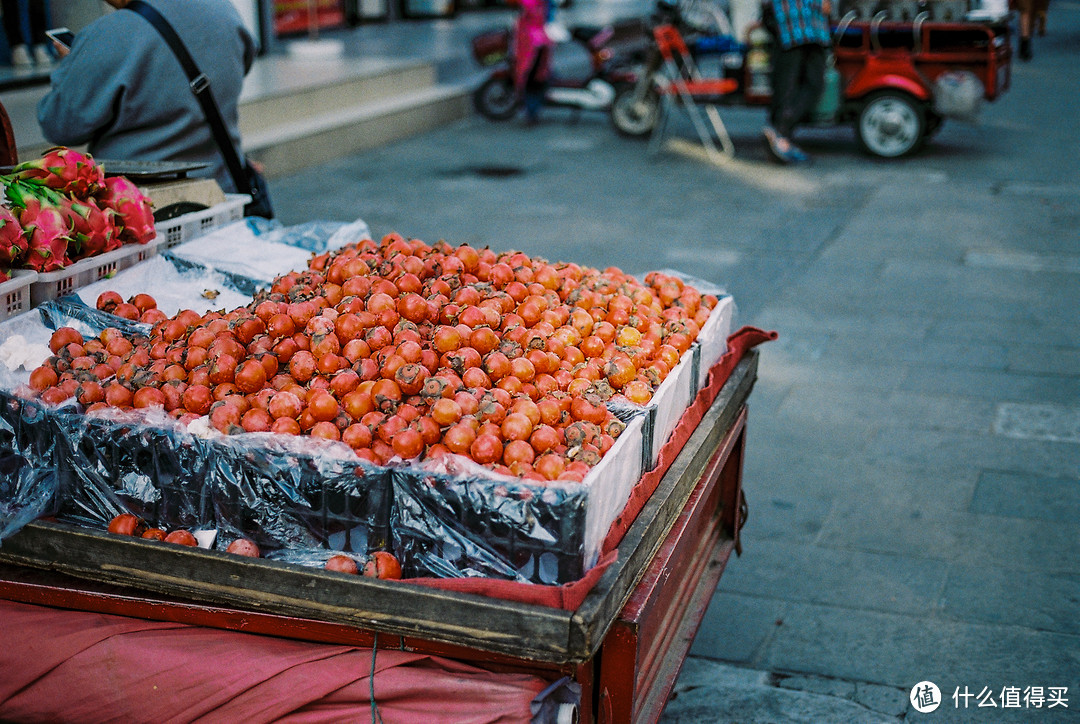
(498, 99)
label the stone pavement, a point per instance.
(913, 462)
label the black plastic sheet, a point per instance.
(287, 495)
(28, 455)
(110, 466)
(71, 311)
(298, 498)
(283, 493)
(474, 523)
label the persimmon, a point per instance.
(446, 411)
(182, 537)
(452, 350)
(486, 448)
(148, 397)
(408, 444)
(244, 547)
(459, 438)
(126, 524)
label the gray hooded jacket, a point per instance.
(122, 92)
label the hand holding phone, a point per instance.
(62, 39)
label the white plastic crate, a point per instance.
(15, 293)
(55, 284)
(190, 226)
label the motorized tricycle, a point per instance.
(895, 80)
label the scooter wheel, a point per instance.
(496, 99)
(632, 116)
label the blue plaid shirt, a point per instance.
(801, 22)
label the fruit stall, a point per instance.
(278, 471)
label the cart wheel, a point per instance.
(496, 99)
(891, 124)
(632, 117)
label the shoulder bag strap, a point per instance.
(200, 86)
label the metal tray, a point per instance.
(142, 170)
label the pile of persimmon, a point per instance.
(139, 308)
(407, 350)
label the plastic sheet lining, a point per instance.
(299, 499)
(29, 478)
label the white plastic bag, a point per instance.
(958, 94)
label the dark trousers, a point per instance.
(798, 77)
(13, 23)
(536, 82)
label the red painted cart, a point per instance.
(623, 644)
(894, 81)
(894, 76)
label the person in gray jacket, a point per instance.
(121, 90)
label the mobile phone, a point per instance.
(62, 36)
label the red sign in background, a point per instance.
(291, 17)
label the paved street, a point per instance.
(913, 469)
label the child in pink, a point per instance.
(532, 55)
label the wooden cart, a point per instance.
(624, 645)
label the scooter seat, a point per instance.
(585, 33)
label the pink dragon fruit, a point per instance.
(47, 233)
(12, 240)
(134, 213)
(44, 217)
(65, 170)
(92, 228)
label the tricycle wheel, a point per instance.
(891, 124)
(497, 98)
(633, 116)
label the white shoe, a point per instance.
(20, 57)
(42, 58)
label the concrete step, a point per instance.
(281, 94)
(292, 146)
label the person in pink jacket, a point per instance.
(532, 56)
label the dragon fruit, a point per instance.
(92, 228)
(12, 240)
(65, 170)
(44, 216)
(47, 233)
(134, 213)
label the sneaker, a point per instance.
(796, 155)
(20, 57)
(774, 144)
(42, 58)
(782, 150)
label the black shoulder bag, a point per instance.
(247, 179)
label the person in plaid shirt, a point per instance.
(800, 30)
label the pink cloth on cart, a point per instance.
(73, 666)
